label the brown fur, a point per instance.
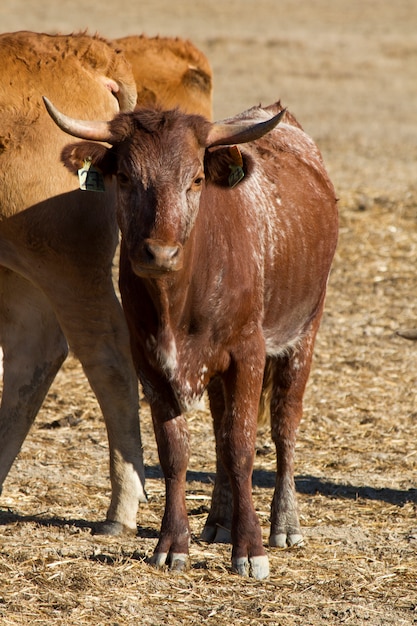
(223, 290)
(182, 74)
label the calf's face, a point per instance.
(159, 180)
(160, 161)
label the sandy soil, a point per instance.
(347, 71)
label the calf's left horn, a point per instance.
(222, 134)
(408, 333)
(83, 129)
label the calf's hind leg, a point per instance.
(217, 528)
(290, 375)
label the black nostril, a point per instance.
(149, 252)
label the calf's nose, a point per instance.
(162, 256)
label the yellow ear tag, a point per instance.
(236, 168)
(91, 179)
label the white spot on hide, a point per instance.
(167, 357)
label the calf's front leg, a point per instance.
(172, 439)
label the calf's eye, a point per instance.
(122, 179)
(197, 182)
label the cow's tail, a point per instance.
(264, 412)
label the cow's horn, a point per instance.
(95, 131)
(408, 333)
(223, 134)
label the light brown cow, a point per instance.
(56, 249)
(181, 74)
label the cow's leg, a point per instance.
(236, 439)
(217, 528)
(34, 348)
(65, 246)
(172, 438)
(95, 327)
(290, 376)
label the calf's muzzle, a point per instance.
(157, 256)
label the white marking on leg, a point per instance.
(240, 565)
(167, 357)
(259, 567)
(158, 559)
(178, 561)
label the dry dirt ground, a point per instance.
(348, 72)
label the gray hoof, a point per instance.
(177, 561)
(282, 540)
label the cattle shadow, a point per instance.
(9, 518)
(309, 485)
(262, 479)
(312, 485)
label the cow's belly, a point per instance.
(286, 329)
(278, 342)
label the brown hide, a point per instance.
(220, 285)
(181, 74)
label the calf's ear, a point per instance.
(75, 155)
(227, 166)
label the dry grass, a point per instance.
(356, 452)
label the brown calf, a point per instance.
(224, 262)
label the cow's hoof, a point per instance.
(176, 561)
(113, 529)
(216, 534)
(255, 566)
(282, 540)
